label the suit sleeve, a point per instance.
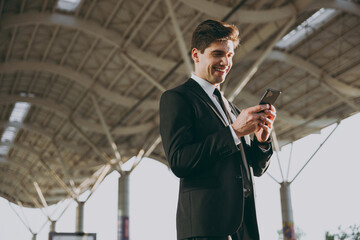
(259, 157)
(185, 152)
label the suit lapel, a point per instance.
(236, 112)
(198, 91)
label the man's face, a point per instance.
(214, 64)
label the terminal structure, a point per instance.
(80, 83)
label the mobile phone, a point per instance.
(270, 96)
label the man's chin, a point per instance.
(220, 79)
(217, 79)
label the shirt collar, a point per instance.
(208, 87)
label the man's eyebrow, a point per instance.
(218, 51)
(221, 51)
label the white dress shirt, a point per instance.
(209, 89)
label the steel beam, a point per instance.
(105, 171)
(138, 25)
(30, 41)
(253, 69)
(134, 20)
(346, 90)
(101, 154)
(113, 12)
(57, 178)
(26, 224)
(65, 170)
(32, 198)
(180, 38)
(345, 6)
(311, 157)
(52, 172)
(41, 195)
(9, 48)
(106, 129)
(143, 72)
(89, 27)
(243, 16)
(82, 80)
(65, 113)
(143, 154)
(2, 3)
(261, 16)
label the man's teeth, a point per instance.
(220, 70)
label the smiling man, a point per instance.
(206, 143)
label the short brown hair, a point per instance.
(211, 31)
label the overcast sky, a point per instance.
(324, 196)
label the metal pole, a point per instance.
(123, 207)
(80, 217)
(286, 212)
(277, 150)
(315, 152)
(52, 226)
(34, 236)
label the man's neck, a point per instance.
(217, 85)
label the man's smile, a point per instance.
(220, 69)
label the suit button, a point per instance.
(238, 177)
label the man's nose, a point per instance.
(225, 61)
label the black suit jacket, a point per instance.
(202, 153)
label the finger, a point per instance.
(258, 108)
(272, 108)
(259, 117)
(268, 121)
(265, 127)
(270, 114)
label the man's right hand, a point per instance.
(251, 119)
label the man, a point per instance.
(206, 143)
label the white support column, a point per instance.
(286, 212)
(123, 206)
(80, 217)
(53, 226)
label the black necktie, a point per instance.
(221, 102)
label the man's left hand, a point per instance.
(266, 125)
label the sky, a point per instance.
(324, 196)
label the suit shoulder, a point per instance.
(177, 96)
(176, 91)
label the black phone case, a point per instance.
(270, 96)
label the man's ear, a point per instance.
(195, 55)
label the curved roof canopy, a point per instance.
(90, 76)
